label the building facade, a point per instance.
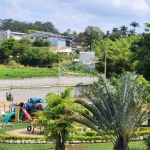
(9, 34)
(56, 40)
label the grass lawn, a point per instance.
(29, 72)
(25, 72)
(6, 146)
(16, 125)
(138, 145)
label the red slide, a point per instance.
(26, 113)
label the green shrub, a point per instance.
(84, 129)
(79, 67)
(13, 137)
(147, 142)
(13, 63)
(90, 133)
(78, 129)
(143, 132)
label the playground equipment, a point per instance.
(22, 111)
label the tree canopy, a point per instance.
(140, 55)
(38, 57)
(18, 26)
(92, 34)
(114, 108)
(117, 55)
(55, 118)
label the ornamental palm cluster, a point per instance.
(114, 108)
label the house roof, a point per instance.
(45, 34)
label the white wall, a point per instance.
(87, 58)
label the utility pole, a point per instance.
(59, 79)
(105, 52)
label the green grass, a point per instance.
(138, 145)
(16, 125)
(29, 72)
(25, 72)
(5, 146)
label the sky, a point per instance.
(78, 14)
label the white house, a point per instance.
(87, 58)
(9, 34)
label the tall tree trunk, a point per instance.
(61, 141)
(121, 144)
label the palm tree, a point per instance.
(107, 33)
(131, 32)
(124, 30)
(115, 29)
(117, 110)
(134, 25)
(147, 29)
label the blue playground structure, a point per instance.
(23, 111)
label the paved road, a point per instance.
(23, 89)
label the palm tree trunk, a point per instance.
(60, 142)
(121, 144)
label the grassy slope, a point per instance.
(27, 72)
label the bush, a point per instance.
(147, 142)
(90, 133)
(13, 137)
(79, 67)
(13, 63)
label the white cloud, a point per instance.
(77, 14)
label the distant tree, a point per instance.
(116, 34)
(24, 41)
(23, 45)
(6, 24)
(107, 34)
(46, 43)
(34, 56)
(25, 27)
(67, 33)
(117, 55)
(7, 46)
(74, 33)
(9, 97)
(134, 25)
(79, 38)
(124, 30)
(115, 29)
(131, 32)
(38, 42)
(147, 29)
(140, 55)
(92, 34)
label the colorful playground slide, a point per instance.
(7, 117)
(26, 113)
